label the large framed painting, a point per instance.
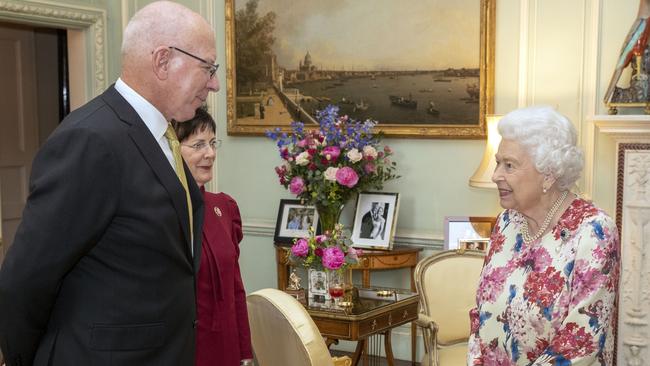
(421, 69)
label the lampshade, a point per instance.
(482, 178)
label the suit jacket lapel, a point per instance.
(152, 153)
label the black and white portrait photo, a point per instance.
(373, 223)
(374, 220)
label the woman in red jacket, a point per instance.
(223, 334)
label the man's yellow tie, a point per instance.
(170, 134)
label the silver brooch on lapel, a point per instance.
(217, 211)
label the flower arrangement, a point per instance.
(329, 251)
(325, 167)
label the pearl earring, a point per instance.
(544, 189)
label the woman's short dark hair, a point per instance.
(201, 120)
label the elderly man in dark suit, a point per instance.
(102, 269)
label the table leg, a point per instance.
(389, 349)
(361, 343)
(330, 341)
(365, 278)
(365, 282)
(283, 269)
(414, 332)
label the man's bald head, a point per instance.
(168, 53)
(162, 23)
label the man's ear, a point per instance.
(160, 62)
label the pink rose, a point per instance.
(354, 253)
(388, 150)
(346, 176)
(302, 143)
(318, 252)
(297, 185)
(369, 167)
(331, 153)
(333, 258)
(320, 238)
(300, 248)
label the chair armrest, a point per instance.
(342, 361)
(429, 336)
(425, 321)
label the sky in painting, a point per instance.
(376, 34)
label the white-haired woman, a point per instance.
(547, 291)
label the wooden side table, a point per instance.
(371, 315)
(399, 257)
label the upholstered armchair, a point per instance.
(447, 285)
(283, 333)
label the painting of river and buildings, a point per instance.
(428, 76)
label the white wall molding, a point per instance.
(617, 127)
(91, 20)
(265, 228)
(588, 86)
(622, 126)
(524, 53)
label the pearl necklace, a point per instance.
(547, 221)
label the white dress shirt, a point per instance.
(153, 119)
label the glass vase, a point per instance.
(329, 215)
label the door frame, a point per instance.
(90, 21)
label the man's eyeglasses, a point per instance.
(199, 146)
(212, 67)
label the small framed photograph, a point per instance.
(374, 220)
(468, 229)
(318, 288)
(294, 221)
(474, 244)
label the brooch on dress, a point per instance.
(564, 236)
(217, 211)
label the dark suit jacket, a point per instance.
(101, 272)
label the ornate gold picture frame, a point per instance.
(419, 79)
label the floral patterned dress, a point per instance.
(550, 302)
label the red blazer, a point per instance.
(223, 334)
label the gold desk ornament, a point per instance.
(294, 289)
(385, 293)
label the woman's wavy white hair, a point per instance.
(550, 140)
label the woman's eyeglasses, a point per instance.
(199, 146)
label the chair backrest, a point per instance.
(282, 331)
(447, 284)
